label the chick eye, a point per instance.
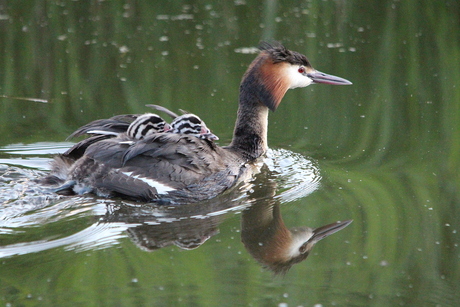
(301, 70)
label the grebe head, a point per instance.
(271, 74)
(278, 69)
(193, 125)
(146, 125)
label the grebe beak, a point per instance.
(205, 133)
(320, 77)
(209, 136)
(167, 127)
(325, 231)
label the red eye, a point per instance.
(301, 70)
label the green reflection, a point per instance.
(387, 146)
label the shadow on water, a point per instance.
(283, 177)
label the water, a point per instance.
(39, 223)
(382, 152)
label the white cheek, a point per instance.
(297, 241)
(296, 78)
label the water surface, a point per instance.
(383, 152)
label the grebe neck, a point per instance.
(261, 90)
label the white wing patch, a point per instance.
(102, 132)
(160, 187)
(126, 143)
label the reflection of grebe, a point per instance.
(180, 168)
(270, 242)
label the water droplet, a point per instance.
(123, 49)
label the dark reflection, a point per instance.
(275, 246)
(158, 229)
(267, 238)
(152, 227)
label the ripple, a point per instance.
(297, 176)
(39, 148)
(17, 185)
(96, 236)
(30, 154)
(37, 163)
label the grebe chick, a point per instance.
(147, 124)
(193, 125)
(127, 128)
(142, 126)
(117, 128)
(187, 123)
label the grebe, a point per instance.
(178, 168)
(187, 123)
(127, 127)
(124, 128)
(136, 127)
(193, 125)
(144, 125)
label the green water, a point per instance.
(386, 148)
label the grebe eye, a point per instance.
(301, 69)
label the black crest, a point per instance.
(279, 53)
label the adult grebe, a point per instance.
(178, 168)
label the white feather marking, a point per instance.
(160, 187)
(102, 132)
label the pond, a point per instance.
(383, 152)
